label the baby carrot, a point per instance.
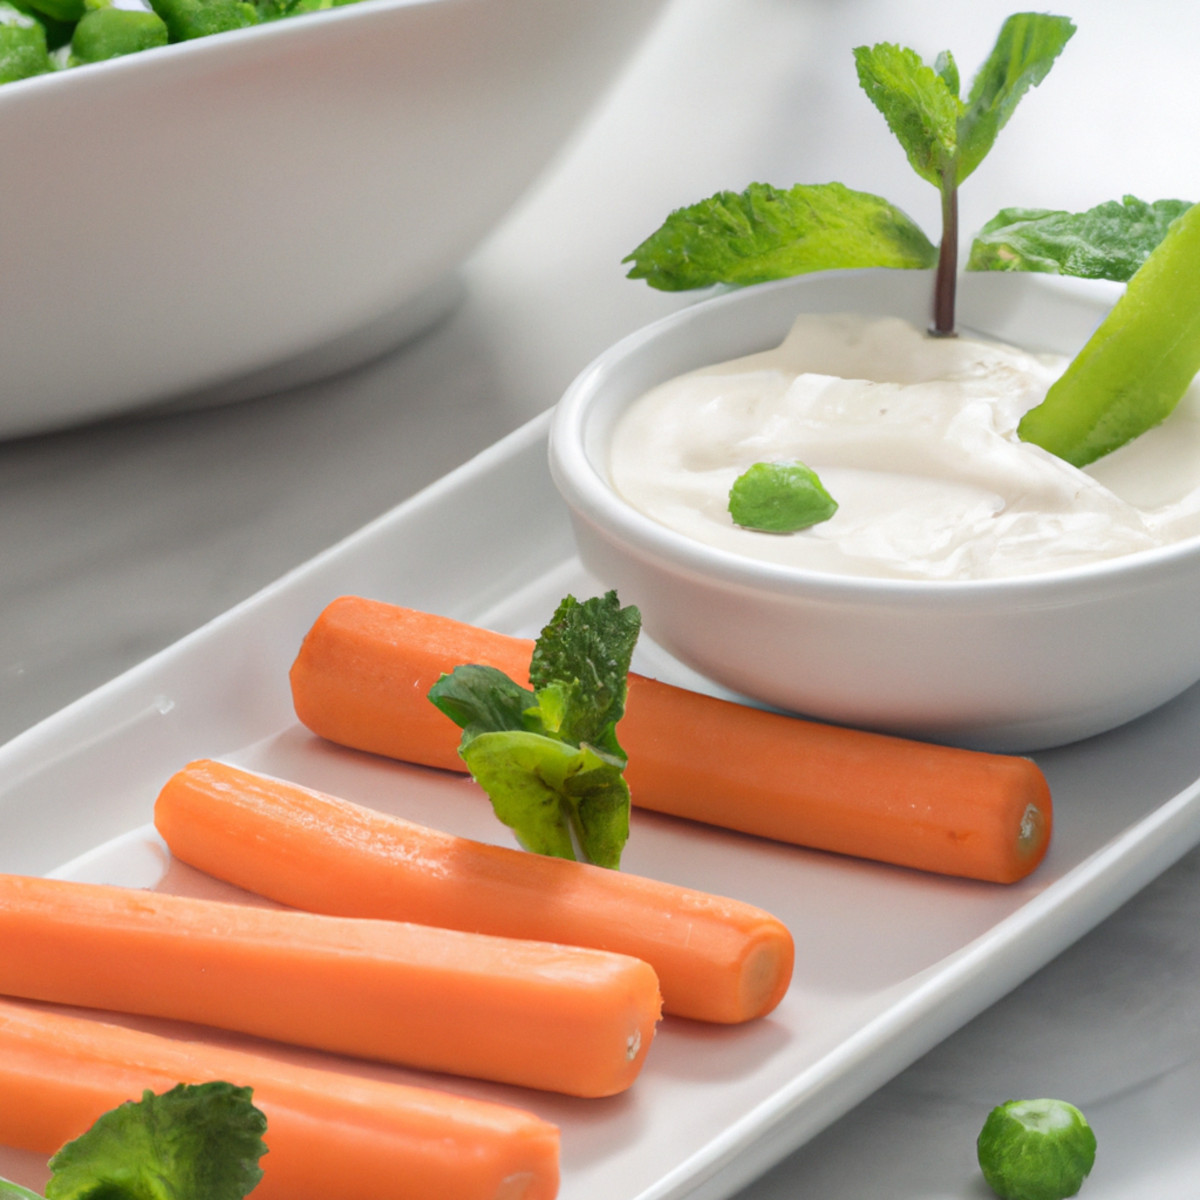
(531, 1013)
(328, 1133)
(364, 669)
(716, 959)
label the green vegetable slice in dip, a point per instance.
(779, 497)
(1135, 368)
(548, 757)
(195, 1142)
(1110, 241)
(1036, 1150)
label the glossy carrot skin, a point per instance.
(364, 669)
(328, 1133)
(716, 959)
(529, 1013)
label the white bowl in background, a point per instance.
(256, 208)
(1012, 664)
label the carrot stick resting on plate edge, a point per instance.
(561, 1018)
(716, 959)
(329, 1134)
(365, 668)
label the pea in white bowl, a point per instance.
(227, 216)
(1009, 664)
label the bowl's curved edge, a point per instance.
(1020, 687)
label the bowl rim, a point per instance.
(586, 490)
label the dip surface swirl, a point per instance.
(915, 437)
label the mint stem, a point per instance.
(947, 266)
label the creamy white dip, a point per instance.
(915, 438)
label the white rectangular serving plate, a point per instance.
(889, 961)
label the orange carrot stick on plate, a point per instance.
(531, 1013)
(328, 1133)
(716, 959)
(365, 668)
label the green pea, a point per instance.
(187, 19)
(112, 32)
(1036, 1150)
(23, 51)
(68, 11)
(1135, 368)
(58, 33)
(780, 497)
(272, 10)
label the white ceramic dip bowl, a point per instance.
(1010, 664)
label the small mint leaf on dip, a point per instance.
(1036, 1150)
(765, 233)
(779, 497)
(1110, 241)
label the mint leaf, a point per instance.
(780, 497)
(195, 1142)
(586, 649)
(767, 233)
(947, 69)
(549, 758)
(553, 794)
(481, 699)
(1024, 52)
(917, 102)
(1110, 241)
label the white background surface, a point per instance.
(116, 540)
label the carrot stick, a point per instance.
(365, 667)
(530, 1013)
(716, 959)
(328, 1133)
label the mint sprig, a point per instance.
(767, 233)
(945, 137)
(194, 1142)
(548, 756)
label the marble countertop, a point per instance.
(118, 538)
